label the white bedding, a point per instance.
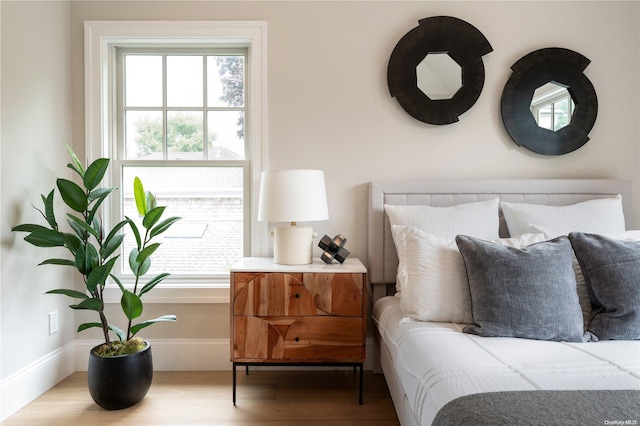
(436, 363)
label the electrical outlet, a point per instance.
(53, 322)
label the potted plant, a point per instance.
(120, 371)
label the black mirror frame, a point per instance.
(566, 68)
(439, 34)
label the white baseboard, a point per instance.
(189, 354)
(24, 386)
(173, 354)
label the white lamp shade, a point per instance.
(293, 196)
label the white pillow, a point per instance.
(478, 219)
(551, 233)
(593, 216)
(436, 286)
(581, 285)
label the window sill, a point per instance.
(176, 293)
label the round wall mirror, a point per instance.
(548, 105)
(436, 71)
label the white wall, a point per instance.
(329, 108)
(36, 119)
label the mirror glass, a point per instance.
(552, 106)
(439, 76)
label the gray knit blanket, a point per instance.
(580, 407)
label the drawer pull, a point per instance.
(297, 296)
(297, 339)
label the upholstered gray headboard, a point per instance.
(382, 257)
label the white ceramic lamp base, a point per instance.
(292, 245)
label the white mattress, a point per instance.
(436, 363)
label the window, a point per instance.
(552, 106)
(181, 120)
(182, 106)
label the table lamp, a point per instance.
(292, 196)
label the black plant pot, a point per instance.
(120, 381)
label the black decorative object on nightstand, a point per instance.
(333, 248)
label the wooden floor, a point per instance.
(264, 397)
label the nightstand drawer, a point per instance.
(284, 294)
(321, 338)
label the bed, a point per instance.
(443, 368)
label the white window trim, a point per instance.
(101, 37)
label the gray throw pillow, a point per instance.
(528, 293)
(611, 270)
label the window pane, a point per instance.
(143, 77)
(561, 114)
(143, 139)
(226, 135)
(209, 237)
(225, 81)
(544, 117)
(185, 84)
(184, 135)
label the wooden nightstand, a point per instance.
(298, 315)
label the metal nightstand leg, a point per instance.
(361, 385)
(234, 383)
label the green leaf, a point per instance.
(151, 200)
(81, 232)
(99, 275)
(121, 336)
(146, 253)
(45, 238)
(136, 233)
(82, 224)
(48, 210)
(80, 259)
(76, 164)
(152, 217)
(113, 240)
(96, 207)
(87, 325)
(117, 228)
(117, 280)
(95, 172)
(68, 292)
(112, 327)
(131, 305)
(144, 324)
(133, 254)
(73, 195)
(29, 227)
(72, 242)
(153, 282)
(138, 269)
(111, 245)
(141, 199)
(163, 226)
(86, 259)
(92, 259)
(96, 224)
(100, 193)
(65, 262)
(91, 304)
